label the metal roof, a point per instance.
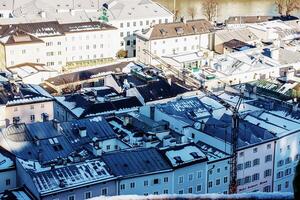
(136, 162)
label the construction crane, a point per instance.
(190, 80)
(234, 135)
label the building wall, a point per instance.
(62, 114)
(190, 179)
(24, 111)
(127, 29)
(218, 176)
(54, 52)
(26, 52)
(80, 193)
(141, 189)
(8, 179)
(90, 45)
(263, 183)
(2, 57)
(171, 46)
(287, 155)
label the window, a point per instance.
(269, 146)
(241, 154)
(268, 158)
(255, 177)
(31, 107)
(180, 179)
(87, 195)
(288, 171)
(199, 174)
(198, 188)
(190, 190)
(71, 197)
(122, 186)
(121, 25)
(166, 191)
(255, 150)
(7, 182)
(155, 181)
(155, 193)
(279, 187)
(108, 147)
(288, 160)
(209, 184)
(141, 23)
(239, 181)
(180, 192)
(32, 118)
(267, 189)
(132, 185)
(146, 183)
(23, 51)
(288, 147)
(239, 166)
(225, 179)
(256, 162)
(297, 157)
(247, 179)
(218, 181)
(247, 164)
(147, 22)
(279, 174)
(134, 23)
(128, 24)
(190, 177)
(104, 191)
(166, 179)
(286, 184)
(267, 173)
(121, 34)
(128, 43)
(280, 163)
(218, 170)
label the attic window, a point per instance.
(195, 155)
(178, 159)
(163, 32)
(179, 30)
(195, 28)
(57, 147)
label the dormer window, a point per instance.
(179, 30)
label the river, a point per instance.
(226, 8)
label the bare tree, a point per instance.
(192, 12)
(209, 9)
(286, 7)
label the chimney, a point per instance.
(82, 131)
(152, 112)
(56, 124)
(43, 14)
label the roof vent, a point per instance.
(82, 131)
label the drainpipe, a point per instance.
(208, 178)
(273, 177)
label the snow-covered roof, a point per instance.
(5, 162)
(179, 155)
(67, 11)
(69, 176)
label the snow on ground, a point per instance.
(256, 195)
